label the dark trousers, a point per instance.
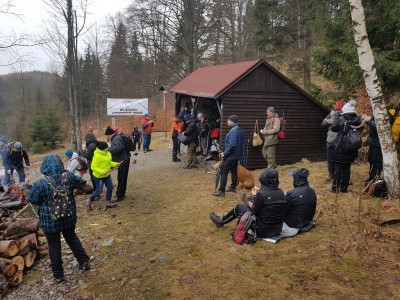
(54, 242)
(123, 172)
(99, 188)
(175, 146)
(341, 177)
(329, 151)
(19, 169)
(146, 142)
(226, 167)
(375, 160)
(92, 179)
(136, 142)
(234, 213)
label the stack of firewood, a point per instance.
(15, 196)
(21, 242)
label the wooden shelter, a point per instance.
(247, 89)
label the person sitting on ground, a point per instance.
(41, 195)
(136, 138)
(268, 205)
(102, 165)
(91, 145)
(193, 139)
(232, 154)
(14, 158)
(301, 201)
(73, 164)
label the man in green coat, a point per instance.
(270, 132)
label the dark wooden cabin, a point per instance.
(247, 89)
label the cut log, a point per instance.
(24, 248)
(41, 240)
(8, 248)
(19, 261)
(24, 209)
(22, 225)
(8, 268)
(17, 278)
(43, 251)
(40, 232)
(31, 238)
(10, 204)
(30, 258)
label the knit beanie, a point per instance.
(102, 145)
(234, 118)
(271, 109)
(69, 153)
(339, 105)
(115, 128)
(349, 107)
(109, 131)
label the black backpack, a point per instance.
(128, 143)
(352, 138)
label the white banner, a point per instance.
(127, 107)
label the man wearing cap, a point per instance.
(231, 156)
(331, 136)
(341, 157)
(270, 132)
(301, 201)
(191, 133)
(122, 155)
(147, 126)
(14, 157)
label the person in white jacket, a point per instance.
(73, 164)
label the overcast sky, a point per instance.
(33, 13)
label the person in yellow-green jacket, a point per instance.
(395, 121)
(102, 165)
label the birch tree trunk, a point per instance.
(367, 64)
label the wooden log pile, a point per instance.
(15, 196)
(21, 243)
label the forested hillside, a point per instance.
(159, 42)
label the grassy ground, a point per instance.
(165, 246)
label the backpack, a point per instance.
(352, 138)
(245, 231)
(282, 129)
(128, 143)
(84, 165)
(60, 206)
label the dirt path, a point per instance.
(163, 246)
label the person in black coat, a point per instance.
(301, 201)
(191, 132)
(91, 145)
(268, 205)
(375, 157)
(341, 157)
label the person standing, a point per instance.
(91, 145)
(42, 195)
(136, 138)
(147, 126)
(231, 156)
(176, 130)
(342, 157)
(270, 132)
(120, 154)
(203, 134)
(192, 135)
(102, 164)
(375, 157)
(394, 115)
(73, 164)
(3, 147)
(331, 136)
(14, 157)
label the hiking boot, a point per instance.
(329, 178)
(85, 266)
(110, 204)
(176, 160)
(216, 219)
(89, 204)
(148, 150)
(117, 199)
(59, 279)
(231, 190)
(219, 194)
(244, 199)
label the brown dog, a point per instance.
(245, 178)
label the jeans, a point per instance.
(54, 242)
(92, 179)
(99, 188)
(204, 145)
(123, 172)
(146, 142)
(341, 177)
(19, 169)
(226, 167)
